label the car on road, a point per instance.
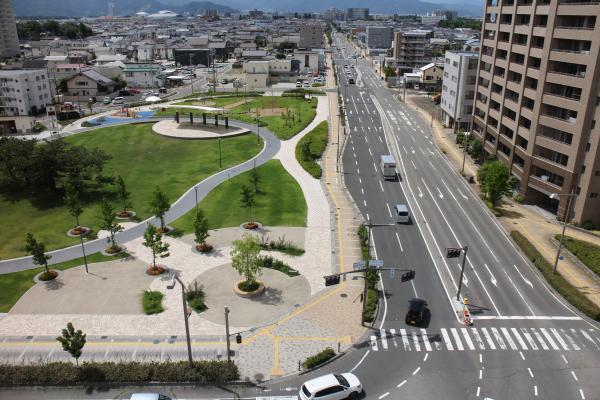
(306, 85)
(402, 214)
(331, 387)
(416, 311)
(298, 83)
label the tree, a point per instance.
(37, 251)
(255, 180)
(248, 200)
(153, 241)
(72, 341)
(305, 149)
(109, 224)
(494, 179)
(389, 71)
(73, 203)
(160, 205)
(201, 228)
(123, 194)
(245, 258)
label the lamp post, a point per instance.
(187, 324)
(227, 333)
(196, 192)
(465, 137)
(83, 251)
(556, 196)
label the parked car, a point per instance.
(162, 90)
(299, 84)
(224, 81)
(416, 311)
(118, 100)
(106, 100)
(331, 387)
(306, 85)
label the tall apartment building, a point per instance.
(458, 88)
(24, 91)
(379, 37)
(537, 99)
(354, 14)
(9, 41)
(412, 50)
(311, 36)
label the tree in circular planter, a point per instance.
(248, 202)
(245, 260)
(38, 253)
(201, 232)
(160, 205)
(109, 224)
(153, 241)
(123, 196)
(74, 206)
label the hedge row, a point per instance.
(371, 305)
(319, 358)
(588, 253)
(566, 290)
(65, 373)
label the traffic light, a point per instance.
(453, 252)
(238, 338)
(407, 276)
(332, 280)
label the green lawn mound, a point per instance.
(280, 201)
(142, 158)
(311, 147)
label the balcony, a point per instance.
(557, 123)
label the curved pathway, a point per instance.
(182, 205)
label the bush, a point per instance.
(282, 245)
(194, 294)
(319, 358)
(152, 302)
(588, 253)
(311, 148)
(519, 198)
(65, 373)
(272, 263)
(569, 292)
(246, 286)
(588, 225)
(363, 236)
(371, 305)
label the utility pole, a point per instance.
(337, 164)
(227, 333)
(185, 318)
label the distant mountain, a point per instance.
(78, 8)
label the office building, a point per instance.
(412, 50)
(537, 100)
(311, 36)
(379, 37)
(24, 92)
(458, 88)
(355, 14)
(9, 41)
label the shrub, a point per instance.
(152, 302)
(246, 286)
(363, 236)
(588, 253)
(588, 225)
(278, 265)
(569, 292)
(371, 305)
(319, 358)
(282, 245)
(311, 148)
(194, 294)
(519, 198)
(65, 373)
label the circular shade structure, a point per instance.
(199, 108)
(152, 99)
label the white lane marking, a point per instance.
(530, 372)
(559, 339)
(478, 390)
(413, 164)
(570, 340)
(359, 180)
(519, 292)
(564, 358)
(358, 171)
(365, 202)
(401, 383)
(412, 150)
(412, 283)
(459, 344)
(404, 340)
(588, 337)
(370, 150)
(374, 166)
(488, 338)
(440, 192)
(399, 242)
(379, 137)
(431, 165)
(480, 358)
(362, 191)
(492, 277)
(463, 196)
(480, 374)
(478, 338)
(426, 357)
(522, 356)
(374, 346)
(416, 371)
(404, 148)
(383, 337)
(381, 186)
(415, 340)
(498, 338)
(394, 342)
(425, 340)
(527, 281)
(447, 339)
(529, 339)
(390, 211)
(467, 338)
(511, 342)
(574, 376)
(519, 338)
(420, 193)
(549, 338)
(535, 390)
(581, 394)
(384, 395)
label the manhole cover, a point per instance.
(343, 295)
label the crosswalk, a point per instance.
(486, 338)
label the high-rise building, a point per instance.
(458, 88)
(379, 37)
(9, 41)
(311, 36)
(24, 92)
(537, 100)
(354, 14)
(412, 50)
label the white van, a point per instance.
(388, 167)
(402, 215)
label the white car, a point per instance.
(331, 387)
(149, 396)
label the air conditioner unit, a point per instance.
(544, 178)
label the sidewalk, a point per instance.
(534, 226)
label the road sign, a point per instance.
(332, 280)
(453, 252)
(358, 265)
(376, 263)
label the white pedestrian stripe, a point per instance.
(549, 338)
(511, 342)
(589, 338)
(447, 339)
(570, 340)
(488, 338)
(384, 342)
(404, 339)
(538, 336)
(519, 339)
(559, 339)
(459, 344)
(416, 341)
(529, 339)
(393, 333)
(374, 343)
(478, 339)
(467, 338)
(498, 338)
(425, 340)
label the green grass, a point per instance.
(279, 203)
(588, 253)
(318, 138)
(142, 158)
(152, 302)
(319, 358)
(219, 101)
(566, 290)
(15, 284)
(371, 305)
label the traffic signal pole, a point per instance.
(462, 271)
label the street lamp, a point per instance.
(556, 196)
(185, 317)
(465, 137)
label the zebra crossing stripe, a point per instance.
(447, 339)
(511, 342)
(549, 338)
(538, 336)
(488, 338)
(384, 342)
(498, 338)
(404, 340)
(570, 340)
(374, 343)
(416, 341)
(459, 344)
(393, 333)
(588, 337)
(560, 339)
(425, 340)
(519, 339)
(467, 338)
(529, 339)
(478, 339)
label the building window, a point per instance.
(593, 195)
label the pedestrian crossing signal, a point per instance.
(332, 280)
(407, 276)
(452, 252)
(238, 338)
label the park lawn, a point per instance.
(588, 253)
(219, 101)
(318, 139)
(279, 203)
(143, 159)
(15, 284)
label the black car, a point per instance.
(416, 311)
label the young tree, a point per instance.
(255, 180)
(201, 229)
(153, 241)
(248, 200)
(72, 341)
(37, 251)
(123, 194)
(245, 258)
(494, 179)
(306, 152)
(109, 224)
(160, 205)
(73, 203)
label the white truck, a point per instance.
(388, 167)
